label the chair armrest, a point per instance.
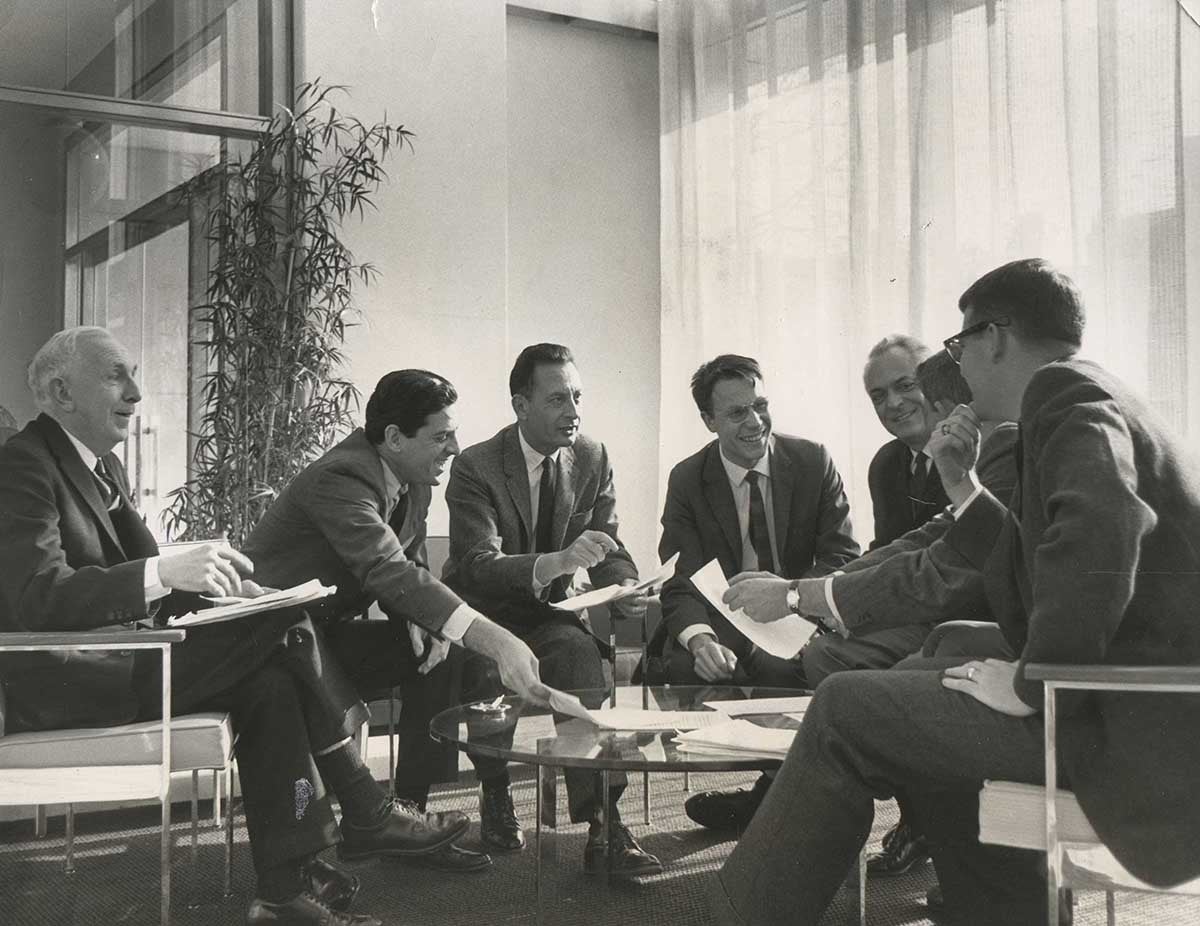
(139, 639)
(1145, 678)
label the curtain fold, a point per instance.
(834, 171)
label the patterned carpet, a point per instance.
(117, 875)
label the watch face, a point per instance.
(793, 599)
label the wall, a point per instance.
(529, 211)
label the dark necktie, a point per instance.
(545, 518)
(108, 489)
(760, 535)
(399, 513)
(918, 482)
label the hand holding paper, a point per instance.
(783, 637)
(618, 592)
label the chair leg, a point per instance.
(195, 901)
(69, 860)
(164, 861)
(216, 805)
(39, 821)
(687, 782)
(227, 888)
(392, 743)
(1110, 908)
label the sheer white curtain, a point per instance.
(837, 170)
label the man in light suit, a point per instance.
(355, 518)
(78, 557)
(1095, 560)
(751, 499)
(529, 507)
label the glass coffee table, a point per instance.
(576, 743)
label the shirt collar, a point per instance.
(737, 474)
(533, 459)
(85, 453)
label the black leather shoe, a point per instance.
(727, 810)
(453, 858)
(405, 831)
(303, 910)
(934, 899)
(498, 825)
(329, 884)
(626, 858)
(902, 850)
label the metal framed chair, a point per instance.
(1049, 818)
(122, 762)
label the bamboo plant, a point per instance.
(278, 300)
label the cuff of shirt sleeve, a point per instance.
(152, 583)
(690, 631)
(835, 616)
(458, 622)
(538, 587)
(958, 512)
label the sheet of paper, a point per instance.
(737, 736)
(569, 704)
(243, 607)
(783, 638)
(616, 592)
(761, 706)
(634, 718)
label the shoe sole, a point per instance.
(496, 847)
(893, 872)
(447, 838)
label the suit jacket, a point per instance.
(65, 567)
(491, 525)
(1098, 561)
(892, 501)
(919, 578)
(330, 523)
(699, 520)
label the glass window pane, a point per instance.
(196, 53)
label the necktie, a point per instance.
(396, 519)
(917, 484)
(760, 535)
(545, 518)
(108, 488)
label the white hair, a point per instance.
(54, 360)
(914, 347)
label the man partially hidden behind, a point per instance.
(528, 507)
(78, 557)
(753, 500)
(1095, 560)
(355, 518)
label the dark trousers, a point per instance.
(754, 667)
(865, 736)
(287, 698)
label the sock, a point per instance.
(280, 883)
(364, 802)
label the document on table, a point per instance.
(786, 706)
(231, 608)
(783, 638)
(617, 592)
(737, 737)
(632, 718)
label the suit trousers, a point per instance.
(287, 698)
(876, 649)
(866, 735)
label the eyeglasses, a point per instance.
(740, 413)
(954, 343)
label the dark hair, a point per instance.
(726, 366)
(941, 378)
(1043, 302)
(406, 398)
(520, 380)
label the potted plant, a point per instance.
(279, 298)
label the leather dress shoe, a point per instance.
(499, 827)
(329, 884)
(901, 851)
(404, 831)
(454, 859)
(727, 810)
(626, 859)
(303, 910)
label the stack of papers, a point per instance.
(633, 718)
(229, 609)
(789, 707)
(617, 592)
(737, 739)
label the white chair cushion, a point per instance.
(198, 741)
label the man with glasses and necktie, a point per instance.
(529, 507)
(752, 500)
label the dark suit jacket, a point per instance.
(65, 568)
(491, 525)
(330, 524)
(919, 578)
(812, 526)
(891, 499)
(1099, 562)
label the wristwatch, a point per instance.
(793, 596)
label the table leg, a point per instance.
(547, 815)
(606, 825)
